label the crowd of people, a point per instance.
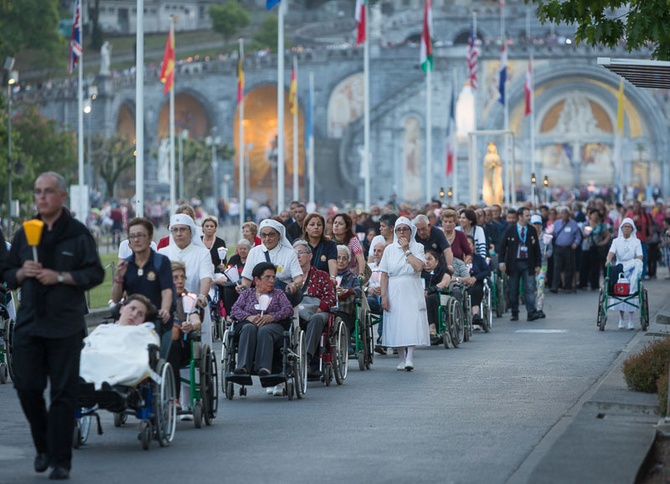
(399, 258)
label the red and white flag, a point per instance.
(528, 88)
(360, 21)
(473, 58)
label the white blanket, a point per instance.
(117, 355)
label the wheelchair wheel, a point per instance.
(4, 373)
(209, 392)
(145, 434)
(9, 345)
(443, 326)
(225, 340)
(369, 342)
(229, 389)
(197, 414)
(120, 419)
(341, 347)
(456, 331)
(602, 310)
(644, 308)
(165, 405)
(487, 315)
(300, 365)
(82, 428)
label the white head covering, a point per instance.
(408, 222)
(630, 222)
(183, 219)
(273, 224)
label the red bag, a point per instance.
(622, 286)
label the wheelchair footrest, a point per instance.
(239, 379)
(272, 380)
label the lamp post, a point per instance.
(12, 78)
(533, 180)
(182, 136)
(442, 195)
(214, 141)
(545, 182)
(450, 194)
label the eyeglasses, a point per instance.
(402, 229)
(298, 253)
(137, 236)
(179, 230)
(268, 234)
(343, 258)
(268, 278)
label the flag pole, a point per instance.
(531, 66)
(240, 142)
(281, 168)
(454, 173)
(311, 139)
(139, 112)
(508, 164)
(81, 209)
(366, 110)
(474, 93)
(173, 186)
(429, 138)
(294, 100)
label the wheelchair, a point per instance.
(499, 285)
(334, 350)
(607, 299)
(452, 319)
(203, 381)
(152, 401)
(217, 312)
(290, 363)
(364, 344)
(6, 335)
(485, 308)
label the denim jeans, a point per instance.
(522, 274)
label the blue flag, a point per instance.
(270, 3)
(503, 74)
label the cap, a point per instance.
(535, 219)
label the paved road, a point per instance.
(473, 414)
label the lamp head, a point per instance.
(546, 181)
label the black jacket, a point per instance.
(55, 311)
(509, 246)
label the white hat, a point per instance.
(535, 219)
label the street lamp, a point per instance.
(12, 78)
(442, 194)
(450, 194)
(545, 182)
(533, 180)
(214, 141)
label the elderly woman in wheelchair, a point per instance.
(263, 314)
(435, 280)
(348, 289)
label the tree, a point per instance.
(266, 35)
(638, 23)
(198, 166)
(28, 24)
(228, 19)
(97, 38)
(111, 158)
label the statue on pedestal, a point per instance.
(105, 58)
(492, 191)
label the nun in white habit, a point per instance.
(403, 301)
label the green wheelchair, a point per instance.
(203, 383)
(608, 299)
(453, 325)
(364, 342)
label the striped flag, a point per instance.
(240, 75)
(451, 133)
(473, 58)
(360, 21)
(528, 88)
(426, 42)
(167, 71)
(76, 48)
(293, 90)
(503, 74)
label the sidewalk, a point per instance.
(606, 437)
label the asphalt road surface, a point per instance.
(472, 414)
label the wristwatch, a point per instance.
(408, 253)
(61, 279)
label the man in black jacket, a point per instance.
(50, 322)
(520, 257)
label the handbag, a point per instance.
(622, 286)
(308, 307)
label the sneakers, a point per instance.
(631, 325)
(622, 325)
(401, 366)
(186, 417)
(409, 366)
(270, 390)
(278, 391)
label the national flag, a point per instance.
(528, 88)
(503, 74)
(293, 90)
(270, 3)
(473, 57)
(167, 71)
(240, 75)
(360, 21)
(426, 42)
(451, 133)
(76, 48)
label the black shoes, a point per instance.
(41, 463)
(515, 317)
(553, 291)
(59, 473)
(533, 316)
(380, 349)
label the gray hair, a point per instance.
(244, 242)
(420, 219)
(59, 179)
(302, 243)
(345, 249)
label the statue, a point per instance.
(492, 191)
(105, 58)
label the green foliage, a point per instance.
(111, 158)
(662, 389)
(642, 370)
(198, 166)
(28, 24)
(266, 35)
(97, 37)
(228, 19)
(638, 23)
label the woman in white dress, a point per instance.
(405, 316)
(627, 250)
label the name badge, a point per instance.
(568, 230)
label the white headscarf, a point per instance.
(630, 222)
(273, 224)
(405, 221)
(183, 219)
